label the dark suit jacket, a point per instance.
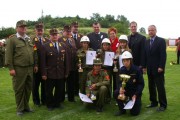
(136, 44)
(71, 50)
(96, 39)
(54, 64)
(156, 55)
(77, 41)
(39, 48)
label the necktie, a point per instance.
(55, 46)
(75, 37)
(40, 40)
(151, 42)
(69, 41)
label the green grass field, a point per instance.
(76, 111)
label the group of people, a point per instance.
(58, 65)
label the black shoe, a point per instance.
(119, 113)
(151, 105)
(99, 109)
(71, 100)
(28, 110)
(161, 109)
(20, 113)
(50, 108)
(37, 104)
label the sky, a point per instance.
(164, 14)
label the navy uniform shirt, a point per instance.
(135, 85)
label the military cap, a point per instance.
(21, 23)
(74, 23)
(97, 61)
(39, 26)
(67, 28)
(53, 31)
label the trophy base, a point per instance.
(115, 70)
(80, 70)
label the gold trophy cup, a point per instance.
(115, 64)
(124, 78)
(80, 63)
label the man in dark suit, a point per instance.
(77, 37)
(38, 41)
(96, 37)
(75, 34)
(155, 52)
(71, 49)
(54, 69)
(136, 44)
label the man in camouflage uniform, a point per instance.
(97, 83)
(20, 60)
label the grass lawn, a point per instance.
(76, 111)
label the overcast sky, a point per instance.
(165, 14)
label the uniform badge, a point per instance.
(34, 47)
(50, 44)
(64, 39)
(60, 44)
(134, 80)
(36, 39)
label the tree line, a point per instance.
(120, 22)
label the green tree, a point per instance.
(142, 30)
(6, 32)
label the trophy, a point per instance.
(92, 96)
(80, 63)
(98, 53)
(115, 64)
(124, 78)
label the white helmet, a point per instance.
(106, 40)
(123, 37)
(126, 55)
(84, 39)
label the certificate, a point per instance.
(90, 56)
(108, 60)
(85, 98)
(130, 104)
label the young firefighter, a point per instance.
(97, 85)
(133, 88)
(81, 55)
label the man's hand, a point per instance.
(44, 77)
(121, 91)
(134, 97)
(35, 69)
(160, 70)
(144, 70)
(93, 86)
(12, 72)
(88, 95)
